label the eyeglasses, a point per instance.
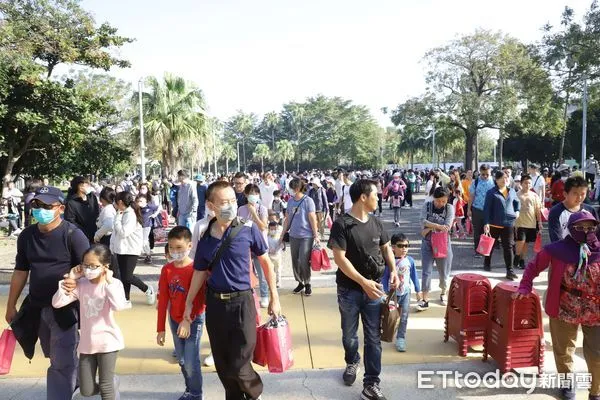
(38, 204)
(90, 266)
(586, 229)
(401, 246)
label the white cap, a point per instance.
(315, 181)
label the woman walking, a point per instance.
(301, 222)
(437, 216)
(82, 207)
(500, 210)
(126, 242)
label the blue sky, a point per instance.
(256, 55)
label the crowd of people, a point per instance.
(224, 259)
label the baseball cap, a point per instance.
(316, 181)
(199, 177)
(581, 216)
(533, 165)
(562, 167)
(49, 195)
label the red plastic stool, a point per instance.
(467, 311)
(515, 334)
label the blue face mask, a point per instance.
(42, 216)
(253, 198)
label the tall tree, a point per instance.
(242, 126)
(172, 110)
(262, 152)
(285, 152)
(228, 153)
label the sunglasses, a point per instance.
(586, 229)
(401, 246)
(38, 204)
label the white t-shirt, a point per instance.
(347, 199)
(266, 194)
(538, 185)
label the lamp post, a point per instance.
(584, 126)
(142, 158)
(238, 156)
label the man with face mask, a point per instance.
(48, 250)
(230, 309)
(187, 201)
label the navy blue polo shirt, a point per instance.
(232, 272)
(48, 256)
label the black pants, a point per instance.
(589, 178)
(231, 327)
(380, 202)
(127, 264)
(114, 263)
(507, 236)
(407, 197)
(477, 225)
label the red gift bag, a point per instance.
(325, 261)
(486, 244)
(8, 343)
(315, 259)
(260, 350)
(545, 214)
(439, 244)
(278, 343)
(537, 246)
(469, 226)
(165, 218)
(329, 221)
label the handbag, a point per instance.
(325, 261)
(486, 244)
(389, 318)
(277, 339)
(439, 244)
(8, 343)
(316, 258)
(286, 235)
(537, 246)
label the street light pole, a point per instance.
(142, 158)
(238, 156)
(433, 147)
(584, 125)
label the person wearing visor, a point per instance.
(46, 252)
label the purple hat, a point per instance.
(49, 195)
(581, 216)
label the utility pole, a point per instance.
(142, 158)
(584, 125)
(238, 156)
(433, 148)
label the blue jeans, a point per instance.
(61, 347)
(188, 355)
(354, 303)
(404, 305)
(188, 220)
(444, 266)
(262, 280)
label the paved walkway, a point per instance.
(147, 368)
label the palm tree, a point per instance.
(271, 122)
(260, 153)
(297, 114)
(242, 126)
(285, 151)
(173, 113)
(228, 152)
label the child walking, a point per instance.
(174, 283)
(407, 272)
(459, 215)
(276, 249)
(100, 337)
(149, 211)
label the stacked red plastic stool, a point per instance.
(467, 316)
(515, 335)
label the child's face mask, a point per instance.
(272, 232)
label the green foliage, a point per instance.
(284, 152)
(262, 152)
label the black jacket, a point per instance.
(83, 213)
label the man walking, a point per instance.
(47, 250)
(477, 192)
(361, 249)
(187, 201)
(201, 192)
(538, 183)
(591, 169)
(225, 252)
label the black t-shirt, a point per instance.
(48, 256)
(359, 240)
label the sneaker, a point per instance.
(568, 394)
(443, 300)
(510, 274)
(148, 259)
(350, 373)
(307, 289)
(264, 302)
(401, 344)
(209, 361)
(76, 393)
(16, 233)
(477, 255)
(372, 392)
(422, 305)
(188, 396)
(299, 288)
(128, 305)
(150, 296)
(521, 264)
(455, 236)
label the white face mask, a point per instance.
(179, 256)
(92, 273)
(210, 212)
(228, 212)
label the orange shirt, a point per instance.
(466, 184)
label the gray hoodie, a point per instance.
(187, 198)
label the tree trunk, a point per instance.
(244, 150)
(500, 149)
(284, 169)
(262, 165)
(226, 166)
(470, 144)
(564, 131)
